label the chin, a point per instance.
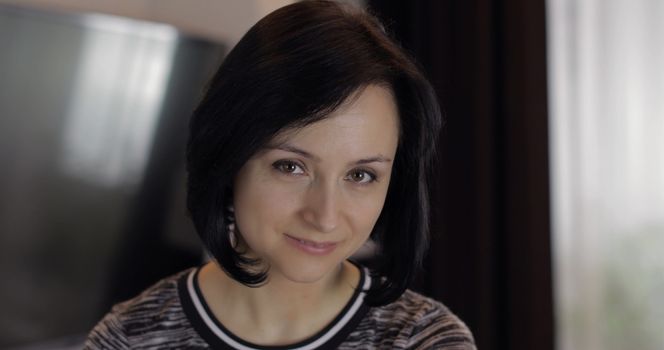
(305, 272)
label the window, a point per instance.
(607, 141)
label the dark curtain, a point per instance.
(490, 258)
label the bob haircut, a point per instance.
(293, 68)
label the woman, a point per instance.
(315, 136)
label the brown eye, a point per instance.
(358, 176)
(288, 167)
(361, 176)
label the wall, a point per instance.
(219, 20)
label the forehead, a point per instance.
(367, 121)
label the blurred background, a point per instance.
(548, 204)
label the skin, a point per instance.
(325, 183)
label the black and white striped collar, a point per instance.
(218, 337)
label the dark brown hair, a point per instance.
(293, 68)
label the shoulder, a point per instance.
(150, 314)
(417, 322)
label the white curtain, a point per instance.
(606, 75)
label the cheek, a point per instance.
(366, 212)
(261, 208)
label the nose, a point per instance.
(321, 208)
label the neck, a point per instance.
(281, 311)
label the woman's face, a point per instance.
(310, 198)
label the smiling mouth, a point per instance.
(317, 248)
(312, 244)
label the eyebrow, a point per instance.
(290, 148)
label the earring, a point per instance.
(230, 227)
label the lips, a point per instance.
(313, 244)
(311, 247)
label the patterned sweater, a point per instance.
(172, 314)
